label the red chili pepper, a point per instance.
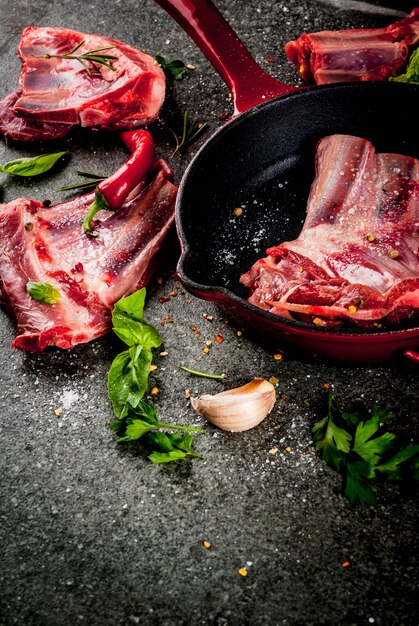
(117, 187)
(112, 192)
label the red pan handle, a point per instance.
(248, 83)
(412, 355)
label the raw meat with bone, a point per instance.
(47, 245)
(56, 93)
(356, 258)
(355, 55)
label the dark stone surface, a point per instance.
(95, 535)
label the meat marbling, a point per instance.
(55, 94)
(47, 245)
(356, 258)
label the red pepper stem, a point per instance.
(117, 187)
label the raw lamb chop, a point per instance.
(356, 258)
(355, 55)
(48, 246)
(56, 93)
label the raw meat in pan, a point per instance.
(56, 93)
(47, 245)
(357, 54)
(356, 258)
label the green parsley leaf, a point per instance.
(136, 429)
(360, 450)
(32, 166)
(357, 485)
(43, 292)
(368, 447)
(391, 468)
(329, 437)
(175, 69)
(169, 447)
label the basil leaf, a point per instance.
(32, 166)
(128, 324)
(132, 306)
(128, 379)
(175, 69)
(43, 292)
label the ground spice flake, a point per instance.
(187, 393)
(319, 322)
(58, 412)
(153, 368)
(219, 338)
(278, 356)
(154, 391)
(273, 451)
(238, 211)
(164, 299)
(207, 545)
(346, 564)
(242, 571)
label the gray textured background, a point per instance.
(95, 535)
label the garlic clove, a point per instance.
(238, 409)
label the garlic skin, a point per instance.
(239, 409)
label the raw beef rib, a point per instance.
(48, 245)
(355, 54)
(56, 93)
(356, 258)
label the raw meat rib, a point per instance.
(24, 129)
(63, 92)
(356, 258)
(47, 245)
(354, 55)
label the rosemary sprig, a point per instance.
(92, 55)
(203, 374)
(87, 185)
(190, 131)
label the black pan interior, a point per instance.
(263, 162)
